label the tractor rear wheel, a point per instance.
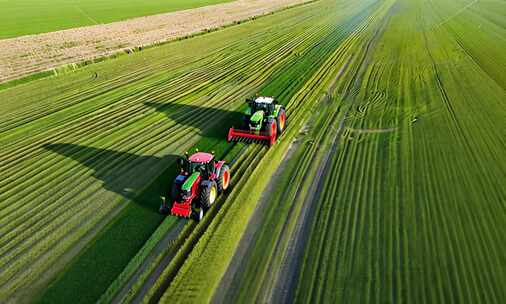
(223, 180)
(208, 194)
(281, 121)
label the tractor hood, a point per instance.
(187, 186)
(257, 117)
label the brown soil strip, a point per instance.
(27, 55)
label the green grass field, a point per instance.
(409, 200)
(393, 191)
(150, 116)
(25, 17)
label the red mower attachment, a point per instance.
(250, 136)
(181, 209)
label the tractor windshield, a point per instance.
(205, 168)
(196, 167)
(265, 104)
(260, 107)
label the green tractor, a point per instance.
(195, 189)
(264, 120)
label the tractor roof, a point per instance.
(201, 157)
(262, 99)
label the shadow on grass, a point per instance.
(120, 172)
(211, 122)
(139, 178)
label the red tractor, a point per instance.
(196, 188)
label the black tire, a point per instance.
(198, 214)
(281, 126)
(219, 181)
(205, 198)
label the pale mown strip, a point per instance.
(36, 53)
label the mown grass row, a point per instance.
(59, 192)
(411, 214)
(283, 88)
(265, 271)
(217, 241)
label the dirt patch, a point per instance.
(26, 55)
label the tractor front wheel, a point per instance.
(198, 214)
(208, 194)
(223, 180)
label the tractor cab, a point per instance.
(201, 162)
(265, 104)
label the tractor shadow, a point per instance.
(211, 122)
(142, 179)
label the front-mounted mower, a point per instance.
(199, 183)
(264, 120)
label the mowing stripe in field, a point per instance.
(411, 203)
(82, 148)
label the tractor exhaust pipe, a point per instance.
(164, 209)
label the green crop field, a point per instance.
(387, 186)
(26, 17)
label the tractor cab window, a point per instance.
(197, 167)
(266, 107)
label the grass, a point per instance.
(403, 100)
(409, 200)
(27, 17)
(101, 142)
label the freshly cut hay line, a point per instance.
(238, 167)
